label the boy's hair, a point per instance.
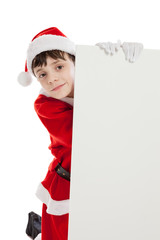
(40, 59)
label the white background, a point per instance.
(24, 155)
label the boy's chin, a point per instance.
(58, 96)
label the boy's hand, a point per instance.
(110, 48)
(132, 51)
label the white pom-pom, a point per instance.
(25, 79)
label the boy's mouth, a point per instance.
(56, 88)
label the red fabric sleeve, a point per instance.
(57, 117)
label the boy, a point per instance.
(51, 59)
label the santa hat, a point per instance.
(49, 39)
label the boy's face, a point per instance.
(57, 77)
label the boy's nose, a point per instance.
(52, 79)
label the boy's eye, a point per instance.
(42, 75)
(60, 67)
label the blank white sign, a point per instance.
(115, 181)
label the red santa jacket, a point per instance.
(57, 117)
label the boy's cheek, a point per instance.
(72, 73)
(42, 85)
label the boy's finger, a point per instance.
(131, 51)
(112, 49)
(138, 50)
(107, 48)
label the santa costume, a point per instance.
(57, 116)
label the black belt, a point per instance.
(62, 172)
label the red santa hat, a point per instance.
(49, 39)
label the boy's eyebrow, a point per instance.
(55, 62)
